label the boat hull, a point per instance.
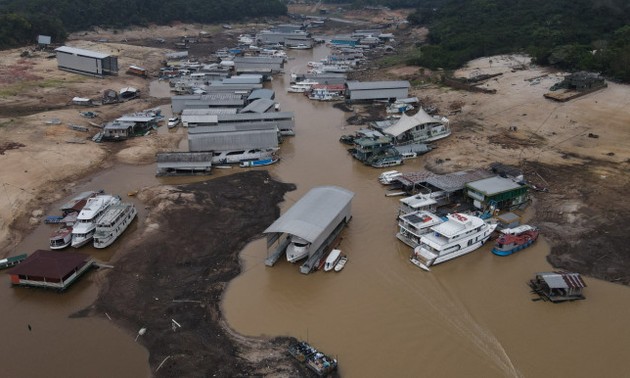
(109, 238)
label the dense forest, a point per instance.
(22, 20)
(591, 35)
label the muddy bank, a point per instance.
(583, 216)
(178, 269)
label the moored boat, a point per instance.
(515, 239)
(459, 235)
(113, 223)
(315, 360)
(83, 229)
(341, 263)
(259, 162)
(61, 238)
(332, 260)
(387, 177)
(297, 249)
(412, 226)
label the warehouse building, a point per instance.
(376, 90)
(253, 63)
(86, 62)
(233, 137)
(284, 121)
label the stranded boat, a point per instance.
(515, 239)
(459, 235)
(387, 177)
(315, 360)
(83, 229)
(61, 238)
(113, 223)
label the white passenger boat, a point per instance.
(83, 229)
(412, 226)
(297, 249)
(61, 238)
(387, 177)
(332, 260)
(459, 235)
(112, 223)
(301, 87)
(237, 156)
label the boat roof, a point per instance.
(112, 213)
(334, 254)
(94, 205)
(423, 217)
(310, 216)
(406, 122)
(456, 223)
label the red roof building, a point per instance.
(55, 270)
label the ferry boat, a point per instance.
(414, 225)
(458, 235)
(113, 223)
(237, 156)
(515, 239)
(61, 238)
(297, 249)
(83, 229)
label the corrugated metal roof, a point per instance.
(274, 116)
(309, 216)
(259, 60)
(184, 157)
(369, 85)
(258, 106)
(493, 185)
(200, 118)
(83, 52)
(449, 182)
(235, 140)
(230, 127)
(209, 111)
(562, 280)
(135, 119)
(49, 264)
(265, 93)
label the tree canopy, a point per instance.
(22, 20)
(589, 35)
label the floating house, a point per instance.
(497, 193)
(128, 126)
(276, 64)
(214, 99)
(259, 106)
(376, 90)
(50, 269)
(86, 62)
(558, 286)
(420, 127)
(316, 220)
(284, 121)
(184, 163)
(233, 137)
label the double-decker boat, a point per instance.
(459, 235)
(114, 222)
(85, 226)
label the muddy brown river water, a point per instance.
(381, 316)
